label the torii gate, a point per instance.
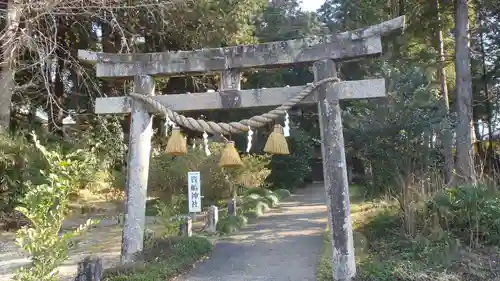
(229, 61)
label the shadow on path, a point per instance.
(283, 245)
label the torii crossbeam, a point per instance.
(229, 61)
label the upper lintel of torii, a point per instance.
(343, 46)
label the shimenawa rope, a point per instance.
(233, 127)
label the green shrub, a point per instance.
(265, 195)
(253, 206)
(229, 224)
(254, 172)
(257, 211)
(46, 206)
(273, 200)
(168, 175)
(290, 171)
(470, 213)
(163, 259)
(283, 193)
(251, 201)
(20, 162)
(253, 214)
(259, 191)
(168, 214)
(95, 150)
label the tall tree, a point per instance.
(7, 82)
(465, 160)
(447, 133)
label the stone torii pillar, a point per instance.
(320, 50)
(335, 173)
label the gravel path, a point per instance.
(283, 245)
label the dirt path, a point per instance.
(283, 245)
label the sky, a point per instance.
(312, 5)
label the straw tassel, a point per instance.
(276, 143)
(177, 144)
(229, 157)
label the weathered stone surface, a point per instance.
(371, 88)
(231, 207)
(346, 45)
(212, 219)
(335, 174)
(90, 269)
(137, 172)
(236, 57)
(186, 227)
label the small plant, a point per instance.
(273, 200)
(469, 212)
(283, 193)
(259, 191)
(46, 206)
(169, 215)
(229, 224)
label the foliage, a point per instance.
(282, 193)
(164, 259)
(104, 138)
(229, 224)
(46, 206)
(94, 153)
(168, 175)
(254, 202)
(470, 213)
(168, 215)
(19, 162)
(396, 141)
(258, 190)
(385, 253)
(251, 205)
(255, 170)
(290, 171)
(273, 200)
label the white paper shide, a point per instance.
(194, 192)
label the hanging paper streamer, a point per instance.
(286, 129)
(205, 142)
(168, 123)
(167, 126)
(250, 134)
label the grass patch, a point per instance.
(324, 267)
(163, 259)
(384, 253)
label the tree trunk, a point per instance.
(447, 136)
(56, 112)
(7, 81)
(491, 155)
(464, 164)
